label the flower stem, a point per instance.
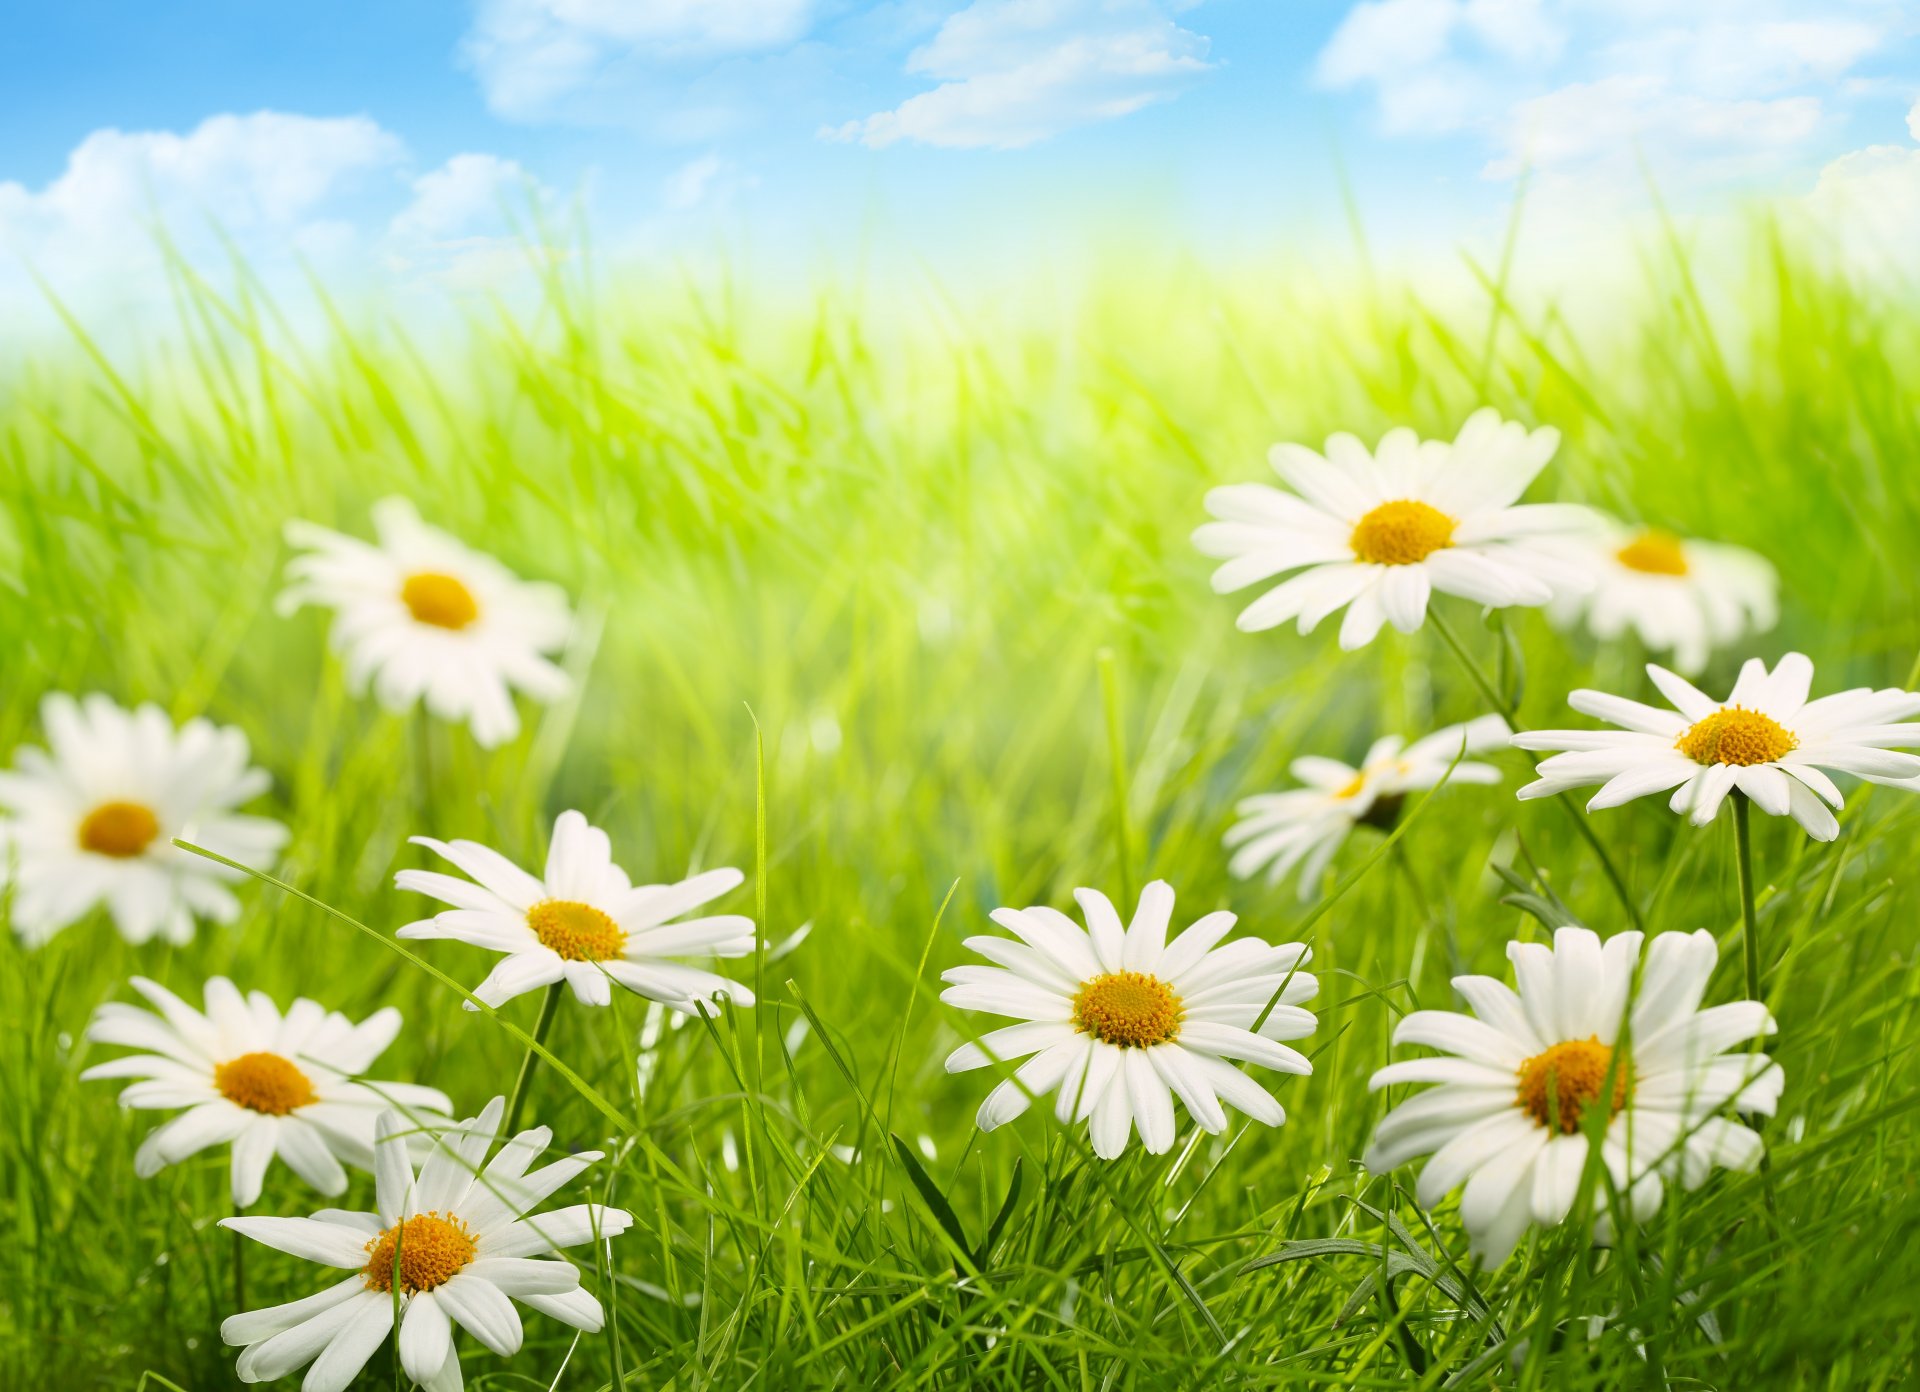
(549, 1007)
(1749, 914)
(1750, 957)
(1508, 713)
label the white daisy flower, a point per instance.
(585, 922)
(1518, 1077)
(460, 1240)
(1766, 739)
(1304, 826)
(421, 616)
(1680, 596)
(1119, 1021)
(269, 1084)
(1378, 533)
(91, 820)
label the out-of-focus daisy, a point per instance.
(1119, 1021)
(271, 1084)
(1305, 826)
(1519, 1078)
(585, 922)
(421, 616)
(461, 1244)
(1680, 596)
(91, 820)
(1378, 533)
(1766, 739)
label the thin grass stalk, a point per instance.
(1507, 712)
(549, 1007)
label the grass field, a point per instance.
(873, 558)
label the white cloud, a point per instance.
(1424, 58)
(1582, 91)
(1867, 203)
(531, 54)
(286, 193)
(707, 182)
(1013, 72)
(1613, 122)
(1871, 198)
(278, 188)
(264, 171)
(467, 192)
(463, 226)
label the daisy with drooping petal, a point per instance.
(1119, 1021)
(1766, 739)
(584, 923)
(1518, 1079)
(270, 1084)
(1680, 596)
(1377, 534)
(91, 820)
(1305, 826)
(420, 616)
(461, 1244)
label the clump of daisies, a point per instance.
(421, 617)
(1527, 1083)
(1678, 595)
(455, 1247)
(242, 1074)
(1378, 533)
(1304, 827)
(1767, 740)
(91, 819)
(1118, 1022)
(583, 922)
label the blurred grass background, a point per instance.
(899, 532)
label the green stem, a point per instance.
(1750, 957)
(1749, 913)
(549, 1007)
(1508, 713)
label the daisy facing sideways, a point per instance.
(1679, 596)
(1767, 740)
(422, 617)
(1304, 826)
(1377, 534)
(1519, 1079)
(460, 1242)
(91, 820)
(1119, 1022)
(269, 1084)
(584, 922)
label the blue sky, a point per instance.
(386, 137)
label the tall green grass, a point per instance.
(859, 566)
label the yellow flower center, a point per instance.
(578, 932)
(1653, 552)
(1127, 1008)
(264, 1082)
(1401, 533)
(1564, 1081)
(1736, 735)
(440, 600)
(1354, 787)
(119, 829)
(433, 1249)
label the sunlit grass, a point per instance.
(862, 571)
